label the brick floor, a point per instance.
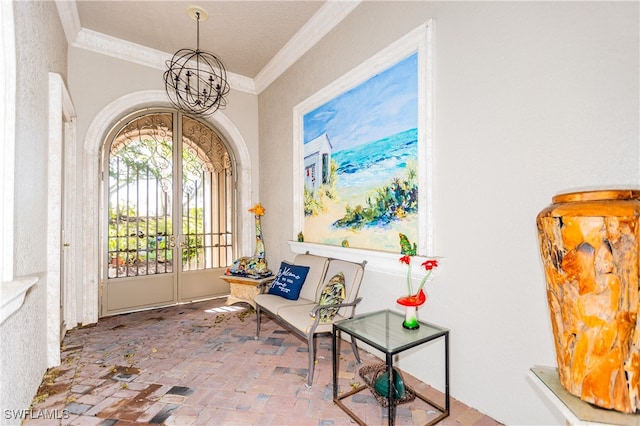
(199, 364)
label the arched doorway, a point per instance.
(169, 229)
(91, 280)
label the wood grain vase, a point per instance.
(589, 248)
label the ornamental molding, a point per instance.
(327, 17)
(142, 55)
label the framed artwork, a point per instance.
(363, 153)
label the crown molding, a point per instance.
(142, 55)
(324, 20)
(118, 48)
(327, 17)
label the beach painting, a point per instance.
(361, 163)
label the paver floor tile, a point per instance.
(193, 365)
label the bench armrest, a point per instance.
(314, 312)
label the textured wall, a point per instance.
(22, 355)
(41, 48)
(532, 99)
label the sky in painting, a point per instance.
(383, 105)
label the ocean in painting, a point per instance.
(372, 165)
(361, 171)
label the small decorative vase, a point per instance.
(381, 385)
(411, 303)
(410, 318)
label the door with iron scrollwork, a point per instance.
(170, 207)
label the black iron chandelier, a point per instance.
(196, 81)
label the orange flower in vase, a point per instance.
(257, 209)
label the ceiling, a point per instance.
(245, 35)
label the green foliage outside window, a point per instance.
(137, 239)
(133, 238)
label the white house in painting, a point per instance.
(317, 162)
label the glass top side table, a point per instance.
(383, 330)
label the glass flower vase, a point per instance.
(411, 304)
(410, 318)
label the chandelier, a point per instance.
(196, 81)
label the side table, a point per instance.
(383, 330)
(244, 289)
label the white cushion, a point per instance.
(317, 272)
(273, 302)
(321, 270)
(298, 316)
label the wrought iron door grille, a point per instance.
(142, 231)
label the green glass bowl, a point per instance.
(382, 385)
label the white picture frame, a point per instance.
(420, 41)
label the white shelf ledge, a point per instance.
(575, 410)
(12, 295)
(379, 261)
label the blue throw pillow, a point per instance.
(289, 281)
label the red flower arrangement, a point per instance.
(408, 251)
(419, 297)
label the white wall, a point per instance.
(40, 48)
(532, 99)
